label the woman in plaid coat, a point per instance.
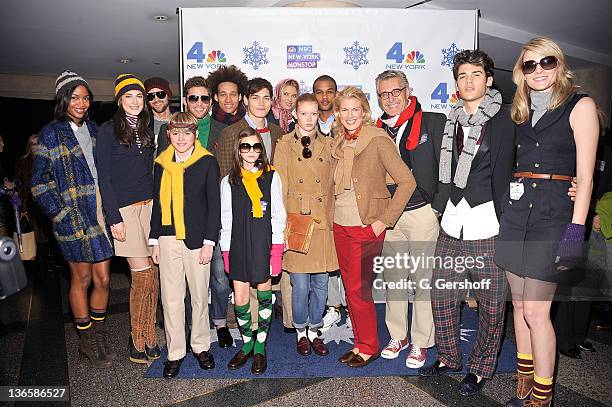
(64, 184)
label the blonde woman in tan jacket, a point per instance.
(363, 159)
(302, 158)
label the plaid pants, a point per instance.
(446, 302)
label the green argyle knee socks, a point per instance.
(263, 320)
(243, 317)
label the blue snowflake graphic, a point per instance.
(448, 54)
(255, 55)
(305, 88)
(356, 55)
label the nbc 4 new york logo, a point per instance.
(204, 60)
(412, 60)
(444, 100)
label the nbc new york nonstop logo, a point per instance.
(302, 56)
(411, 60)
(209, 60)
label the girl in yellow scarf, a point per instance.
(252, 240)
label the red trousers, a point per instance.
(356, 248)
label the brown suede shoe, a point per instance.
(303, 346)
(346, 357)
(260, 364)
(239, 360)
(358, 361)
(319, 347)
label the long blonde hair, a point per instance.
(562, 89)
(346, 93)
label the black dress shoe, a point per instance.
(172, 368)
(205, 359)
(573, 353)
(289, 330)
(436, 370)
(586, 347)
(260, 363)
(346, 357)
(239, 360)
(224, 337)
(470, 385)
(153, 353)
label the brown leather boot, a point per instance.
(524, 385)
(138, 307)
(91, 351)
(150, 314)
(103, 339)
(533, 402)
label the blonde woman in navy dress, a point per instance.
(541, 229)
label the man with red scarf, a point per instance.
(418, 136)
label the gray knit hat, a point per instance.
(67, 80)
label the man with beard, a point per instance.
(159, 95)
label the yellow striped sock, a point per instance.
(524, 363)
(542, 387)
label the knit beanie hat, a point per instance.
(160, 83)
(126, 82)
(67, 80)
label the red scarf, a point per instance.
(414, 113)
(349, 137)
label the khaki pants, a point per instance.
(177, 263)
(285, 289)
(416, 232)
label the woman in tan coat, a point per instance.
(302, 158)
(363, 158)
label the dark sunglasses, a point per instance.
(160, 95)
(547, 63)
(306, 152)
(195, 98)
(246, 147)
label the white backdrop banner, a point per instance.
(353, 45)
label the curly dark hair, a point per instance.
(193, 82)
(473, 57)
(227, 74)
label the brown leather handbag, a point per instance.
(299, 231)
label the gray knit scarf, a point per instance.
(486, 110)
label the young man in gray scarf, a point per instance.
(476, 162)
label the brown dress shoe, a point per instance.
(319, 347)
(303, 346)
(346, 357)
(260, 364)
(239, 360)
(358, 361)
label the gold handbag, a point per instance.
(299, 231)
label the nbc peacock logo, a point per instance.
(454, 98)
(216, 56)
(415, 57)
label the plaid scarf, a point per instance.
(219, 115)
(413, 115)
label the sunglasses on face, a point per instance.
(394, 92)
(306, 152)
(195, 98)
(160, 95)
(246, 147)
(547, 63)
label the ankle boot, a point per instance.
(90, 351)
(150, 315)
(103, 339)
(138, 307)
(524, 385)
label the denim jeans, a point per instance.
(308, 297)
(219, 288)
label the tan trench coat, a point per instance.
(305, 183)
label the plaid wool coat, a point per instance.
(64, 188)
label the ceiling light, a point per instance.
(160, 18)
(125, 60)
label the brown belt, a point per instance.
(141, 203)
(542, 176)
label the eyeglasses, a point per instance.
(394, 92)
(246, 147)
(547, 63)
(306, 152)
(160, 95)
(195, 98)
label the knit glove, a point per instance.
(276, 259)
(569, 254)
(226, 261)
